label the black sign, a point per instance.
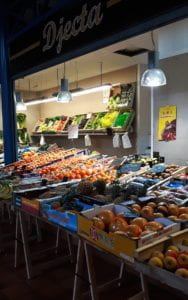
(82, 26)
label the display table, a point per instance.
(85, 251)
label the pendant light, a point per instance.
(20, 105)
(153, 76)
(64, 96)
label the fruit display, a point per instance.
(160, 172)
(124, 120)
(40, 160)
(119, 224)
(93, 121)
(173, 259)
(96, 123)
(51, 125)
(125, 98)
(154, 209)
(108, 120)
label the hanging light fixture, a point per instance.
(64, 96)
(20, 105)
(153, 76)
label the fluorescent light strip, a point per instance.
(91, 90)
(74, 94)
(35, 102)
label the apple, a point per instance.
(158, 215)
(182, 272)
(140, 222)
(118, 224)
(158, 254)
(173, 210)
(156, 261)
(98, 223)
(107, 216)
(183, 210)
(162, 209)
(147, 211)
(136, 206)
(172, 247)
(183, 260)
(172, 253)
(133, 230)
(152, 204)
(170, 263)
(183, 216)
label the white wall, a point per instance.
(174, 93)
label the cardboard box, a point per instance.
(121, 246)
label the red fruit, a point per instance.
(107, 216)
(97, 222)
(172, 253)
(140, 222)
(118, 224)
(133, 230)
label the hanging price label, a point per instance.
(73, 132)
(126, 141)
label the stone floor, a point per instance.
(57, 283)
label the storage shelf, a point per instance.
(82, 133)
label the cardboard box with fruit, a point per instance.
(108, 228)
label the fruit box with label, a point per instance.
(67, 218)
(117, 244)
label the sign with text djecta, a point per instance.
(81, 26)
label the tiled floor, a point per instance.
(57, 283)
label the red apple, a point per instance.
(172, 253)
(183, 260)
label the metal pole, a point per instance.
(152, 112)
(8, 107)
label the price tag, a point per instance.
(73, 132)
(88, 115)
(126, 141)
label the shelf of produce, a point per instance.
(155, 186)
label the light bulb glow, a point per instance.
(153, 77)
(64, 97)
(20, 106)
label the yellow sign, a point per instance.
(167, 123)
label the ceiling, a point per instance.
(87, 66)
(169, 41)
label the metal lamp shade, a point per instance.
(64, 96)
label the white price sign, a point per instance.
(73, 132)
